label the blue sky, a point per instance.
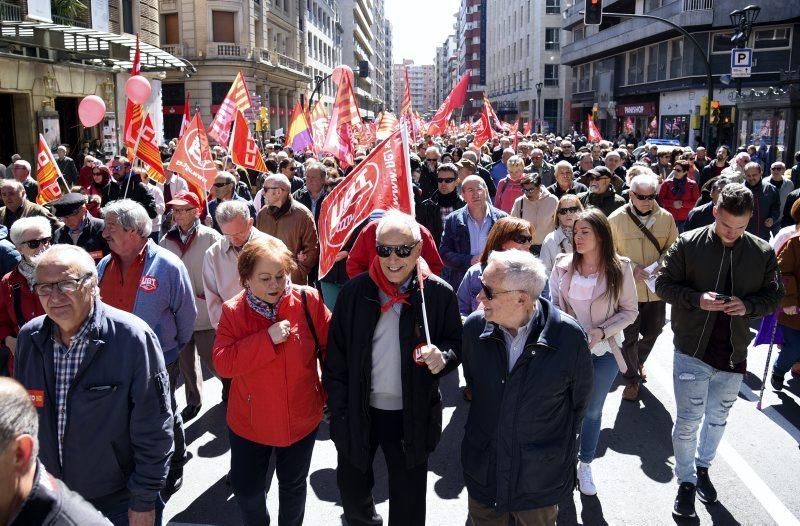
(419, 26)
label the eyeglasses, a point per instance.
(402, 251)
(36, 243)
(536, 157)
(641, 197)
(116, 166)
(183, 210)
(65, 286)
(777, 169)
(529, 189)
(221, 185)
(490, 294)
(569, 210)
(598, 177)
(268, 188)
(678, 170)
(447, 180)
(521, 239)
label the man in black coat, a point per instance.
(123, 185)
(432, 211)
(530, 371)
(80, 228)
(382, 379)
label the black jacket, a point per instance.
(114, 191)
(52, 503)
(699, 216)
(347, 371)
(607, 202)
(429, 213)
(787, 220)
(766, 204)
(484, 174)
(303, 197)
(520, 448)
(91, 239)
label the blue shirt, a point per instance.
(478, 233)
(516, 344)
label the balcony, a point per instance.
(282, 61)
(217, 50)
(176, 50)
(69, 21)
(10, 12)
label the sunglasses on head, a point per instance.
(521, 239)
(569, 210)
(36, 243)
(446, 180)
(490, 294)
(402, 251)
(221, 185)
(641, 197)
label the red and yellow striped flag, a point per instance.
(237, 98)
(385, 125)
(47, 174)
(147, 151)
(345, 115)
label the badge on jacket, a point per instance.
(148, 283)
(37, 397)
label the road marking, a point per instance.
(769, 501)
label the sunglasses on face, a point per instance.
(36, 243)
(521, 239)
(402, 251)
(598, 177)
(776, 169)
(490, 294)
(446, 180)
(569, 210)
(221, 185)
(641, 197)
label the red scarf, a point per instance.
(389, 288)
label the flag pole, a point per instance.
(136, 148)
(406, 150)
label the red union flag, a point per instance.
(382, 180)
(237, 98)
(147, 150)
(192, 158)
(244, 150)
(47, 174)
(454, 100)
(594, 133)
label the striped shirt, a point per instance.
(66, 361)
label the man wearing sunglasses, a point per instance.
(530, 371)
(381, 377)
(124, 185)
(80, 228)
(432, 212)
(601, 194)
(630, 240)
(288, 168)
(224, 186)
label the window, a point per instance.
(578, 33)
(219, 90)
(636, 66)
(676, 58)
(551, 38)
(550, 75)
(222, 24)
(169, 33)
(552, 7)
(721, 43)
(657, 62)
(127, 16)
(772, 38)
(550, 114)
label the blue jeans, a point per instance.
(790, 352)
(605, 371)
(701, 393)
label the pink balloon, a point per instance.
(91, 110)
(340, 72)
(138, 89)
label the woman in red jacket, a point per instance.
(268, 341)
(678, 194)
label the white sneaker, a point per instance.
(585, 482)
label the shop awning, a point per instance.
(60, 43)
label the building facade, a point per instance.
(642, 78)
(323, 44)
(388, 60)
(358, 48)
(422, 81)
(446, 68)
(471, 32)
(524, 75)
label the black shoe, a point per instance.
(174, 483)
(684, 502)
(190, 411)
(705, 489)
(777, 381)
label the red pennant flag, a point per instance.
(319, 126)
(594, 133)
(47, 174)
(187, 114)
(382, 180)
(134, 113)
(192, 159)
(454, 100)
(485, 131)
(339, 140)
(237, 98)
(244, 150)
(146, 149)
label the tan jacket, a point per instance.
(294, 225)
(633, 244)
(539, 213)
(789, 263)
(30, 209)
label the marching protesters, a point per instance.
(313, 193)
(189, 240)
(559, 241)
(678, 194)
(537, 206)
(125, 185)
(596, 287)
(703, 215)
(21, 172)
(80, 228)
(541, 167)
(601, 194)
(224, 185)
(714, 168)
(766, 202)
(432, 212)
(711, 313)
(382, 379)
(429, 172)
(157, 191)
(93, 190)
(144, 279)
(565, 183)
(268, 342)
(101, 390)
(531, 375)
(642, 232)
(18, 206)
(28, 493)
(510, 187)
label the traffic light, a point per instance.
(714, 116)
(593, 15)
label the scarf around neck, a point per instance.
(26, 269)
(265, 309)
(392, 290)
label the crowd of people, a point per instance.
(541, 265)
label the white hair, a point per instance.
(20, 226)
(131, 216)
(646, 179)
(399, 219)
(230, 210)
(521, 271)
(63, 253)
(23, 163)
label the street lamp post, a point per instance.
(539, 86)
(742, 21)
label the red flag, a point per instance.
(187, 114)
(485, 131)
(406, 111)
(146, 150)
(134, 113)
(382, 180)
(514, 132)
(594, 133)
(192, 159)
(244, 150)
(454, 100)
(339, 141)
(319, 126)
(47, 174)
(385, 125)
(237, 98)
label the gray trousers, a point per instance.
(197, 350)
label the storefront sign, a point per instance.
(639, 108)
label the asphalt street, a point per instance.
(756, 472)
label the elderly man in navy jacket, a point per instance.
(530, 371)
(97, 378)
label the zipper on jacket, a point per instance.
(716, 286)
(730, 322)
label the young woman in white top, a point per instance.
(559, 241)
